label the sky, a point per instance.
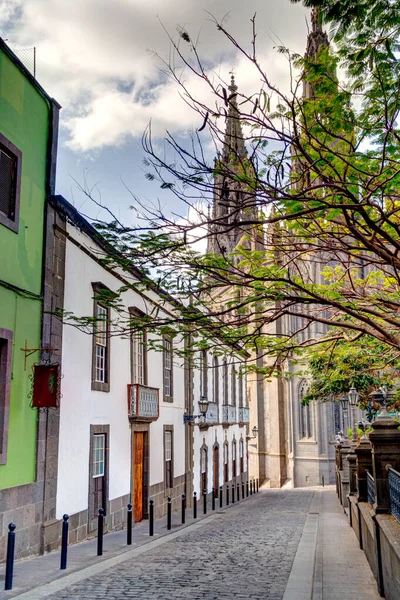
(102, 60)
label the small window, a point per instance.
(101, 344)
(233, 385)
(203, 460)
(226, 466)
(225, 381)
(99, 473)
(215, 380)
(240, 385)
(101, 341)
(168, 370)
(138, 357)
(10, 180)
(203, 374)
(168, 453)
(99, 446)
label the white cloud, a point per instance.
(95, 57)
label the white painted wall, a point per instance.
(81, 407)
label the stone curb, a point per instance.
(301, 578)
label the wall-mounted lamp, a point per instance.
(254, 432)
(203, 408)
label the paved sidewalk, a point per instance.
(341, 568)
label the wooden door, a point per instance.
(216, 472)
(138, 466)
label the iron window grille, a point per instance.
(10, 183)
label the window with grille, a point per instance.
(168, 365)
(10, 178)
(101, 344)
(168, 459)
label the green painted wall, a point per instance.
(24, 120)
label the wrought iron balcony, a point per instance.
(371, 489)
(244, 416)
(211, 417)
(229, 414)
(143, 403)
(394, 493)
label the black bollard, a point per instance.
(100, 531)
(194, 505)
(247, 489)
(205, 502)
(183, 508)
(221, 491)
(213, 500)
(237, 492)
(251, 487)
(129, 526)
(242, 490)
(227, 495)
(151, 517)
(10, 556)
(257, 485)
(169, 514)
(323, 481)
(233, 493)
(64, 542)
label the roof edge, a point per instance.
(25, 71)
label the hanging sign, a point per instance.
(45, 386)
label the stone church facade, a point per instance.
(295, 444)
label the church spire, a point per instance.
(234, 148)
(317, 38)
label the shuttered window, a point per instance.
(8, 180)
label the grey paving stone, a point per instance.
(246, 553)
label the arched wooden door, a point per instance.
(216, 470)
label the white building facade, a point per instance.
(123, 437)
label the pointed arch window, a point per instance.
(234, 458)
(306, 425)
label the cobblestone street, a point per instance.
(245, 552)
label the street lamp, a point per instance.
(203, 405)
(353, 396)
(254, 432)
(345, 405)
(381, 396)
(203, 408)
